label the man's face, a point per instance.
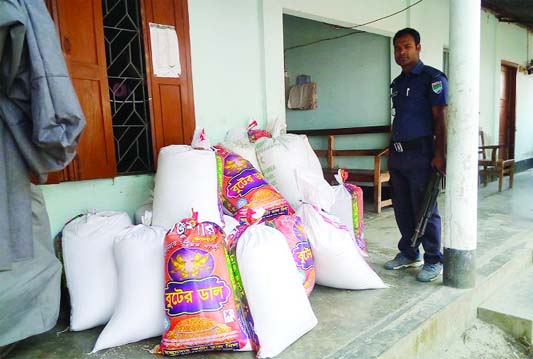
(406, 52)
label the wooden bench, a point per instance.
(376, 176)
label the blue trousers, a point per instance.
(410, 172)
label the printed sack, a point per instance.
(244, 187)
(278, 303)
(202, 309)
(348, 207)
(293, 230)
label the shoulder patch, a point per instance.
(436, 87)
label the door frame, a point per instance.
(510, 124)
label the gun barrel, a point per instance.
(426, 209)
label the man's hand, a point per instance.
(439, 163)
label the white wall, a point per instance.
(509, 42)
(524, 117)
(524, 109)
(227, 64)
(431, 19)
(489, 75)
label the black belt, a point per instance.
(410, 145)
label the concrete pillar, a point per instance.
(460, 220)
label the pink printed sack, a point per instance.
(293, 230)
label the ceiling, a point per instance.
(518, 12)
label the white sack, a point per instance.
(237, 141)
(342, 207)
(139, 311)
(338, 261)
(90, 267)
(186, 179)
(282, 157)
(314, 189)
(280, 308)
(143, 214)
(230, 224)
(200, 140)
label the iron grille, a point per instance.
(127, 86)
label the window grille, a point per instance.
(127, 86)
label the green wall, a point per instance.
(352, 75)
(66, 200)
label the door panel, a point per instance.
(90, 159)
(80, 26)
(78, 35)
(506, 135)
(171, 108)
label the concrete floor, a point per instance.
(389, 323)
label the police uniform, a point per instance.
(412, 149)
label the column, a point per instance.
(460, 220)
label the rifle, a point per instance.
(426, 210)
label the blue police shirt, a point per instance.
(413, 95)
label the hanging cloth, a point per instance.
(40, 117)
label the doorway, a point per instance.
(506, 136)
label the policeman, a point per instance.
(418, 147)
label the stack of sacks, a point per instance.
(238, 141)
(348, 208)
(245, 193)
(186, 178)
(114, 268)
(139, 312)
(278, 303)
(338, 261)
(90, 270)
(284, 155)
(202, 300)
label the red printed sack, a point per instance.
(203, 312)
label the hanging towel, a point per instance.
(303, 97)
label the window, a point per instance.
(130, 113)
(128, 93)
(446, 61)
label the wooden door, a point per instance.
(171, 105)
(80, 27)
(507, 111)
